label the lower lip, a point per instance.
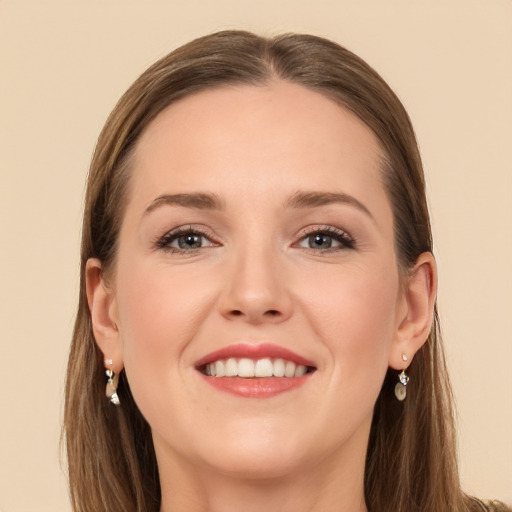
(256, 387)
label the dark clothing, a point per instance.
(492, 506)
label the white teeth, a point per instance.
(248, 368)
(279, 368)
(231, 367)
(300, 370)
(263, 368)
(219, 369)
(289, 369)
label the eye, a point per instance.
(184, 240)
(327, 239)
(189, 241)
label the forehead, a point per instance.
(256, 139)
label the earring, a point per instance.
(111, 388)
(400, 388)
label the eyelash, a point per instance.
(345, 240)
(165, 241)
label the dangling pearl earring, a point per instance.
(400, 388)
(111, 388)
(403, 380)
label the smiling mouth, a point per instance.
(255, 368)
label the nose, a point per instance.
(256, 289)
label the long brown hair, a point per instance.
(411, 461)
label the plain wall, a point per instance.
(63, 65)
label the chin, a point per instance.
(257, 464)
(261, 451)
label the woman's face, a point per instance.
(257, 225)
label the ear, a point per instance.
(416, 314)
(103, 309)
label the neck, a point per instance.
(326, 487)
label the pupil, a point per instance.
(321, 241)
(189, 241)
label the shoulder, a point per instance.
(492, 506)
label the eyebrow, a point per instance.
(315, 199)
(197, 200)
(204, 201)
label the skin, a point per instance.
(258, 278)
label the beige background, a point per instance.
(62, 67)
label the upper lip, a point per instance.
(254, 351)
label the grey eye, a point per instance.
(320, 241)
(185, 241)
(188, 241)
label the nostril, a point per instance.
(256, 316)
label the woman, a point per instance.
(258, 294)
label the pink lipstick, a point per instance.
(254, 352)
(255, 371)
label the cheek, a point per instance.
(159, 313)
(354, 312)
